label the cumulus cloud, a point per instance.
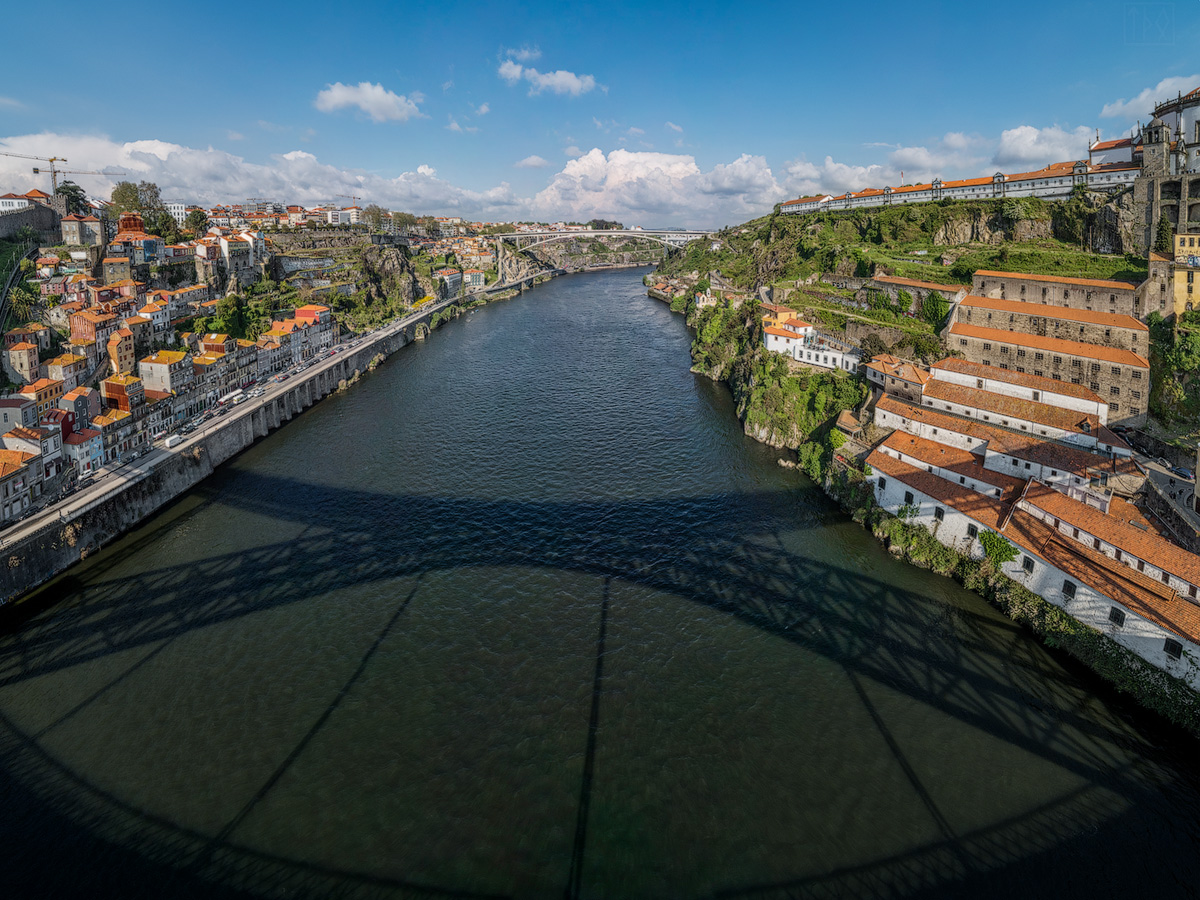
(531, 162)
(380, 104)
(1142, 106)
(675, 127)
(458, 127)
(482, 109)
(658, 187)
(634, 186)
(1026, 145)
(523, 54)
(573, 152)
(559, 81)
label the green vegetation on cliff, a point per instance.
(1026, 235)
(778, 407)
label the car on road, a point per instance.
(1183, 472)
(1163, 462)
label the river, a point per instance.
(525, 614)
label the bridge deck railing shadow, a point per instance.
(966, 664)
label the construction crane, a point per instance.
(54, 170)
(54, 173)
(349, 197)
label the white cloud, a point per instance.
(380, 104)
(273, 127)
(635, 131)
(235, 136)
(510, 71)
(634, 186)
(531, 162)
(675, 127)
(1032, 147)
(523, 54)
(1142, 106)
(559, 81)
(10, 103)
(483, 109)
(573, 152)
(446, 85)
(456, 126)
(658, 187)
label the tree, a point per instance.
(873, 345)
(196, 222)
(77, 202)
(998, 550)
(124, 197)
(934, 308)
(1164, 239)
(141, 198)
(163, 224)
(373, 216)
(403, 221)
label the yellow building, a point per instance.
(1187, 264)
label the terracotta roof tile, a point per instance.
(1022, 308)
(1051, 345)
(1058, 279)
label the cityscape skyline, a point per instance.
(659, 116)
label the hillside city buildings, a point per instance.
(1160, 163)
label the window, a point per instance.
(1095, 385)
(1075, 364)
(1137, 376)
(972, 531)
(979, 381)
(1172, 648)
(1114, 391)
(1114, 407)
(1141, 565)
(962, 342)
(1116, 370)
(1004, 351)
(908, 498)
(986, 346)
(1020, 352)
(1192, 591)
(1027, 564)
(1015, 463)
(882, 483)
(1039, 356)
(1037, 395)
(1095, 367)
(1068, 590)
(1116, 616)
(1166, 579)
(939, 513)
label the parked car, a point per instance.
(1183, 472)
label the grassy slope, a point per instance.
(779, 248)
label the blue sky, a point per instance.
(698, 114)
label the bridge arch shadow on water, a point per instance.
(966, 664)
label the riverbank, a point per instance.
(726, 349)
(62, 535)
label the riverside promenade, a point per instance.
(36, 550)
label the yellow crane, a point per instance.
(55, 171)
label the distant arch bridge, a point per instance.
(673, 240)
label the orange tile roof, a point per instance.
(898, 368)
(986, 510)
(781, 332)
(923, 285)
(1137, 592)
(1155, 550)
(1051, 345)
(1000, 404)
(1013, 443)
(23, 345)
(955, 459)
(1009, 376)
(1025, 308)
(1058, 279)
